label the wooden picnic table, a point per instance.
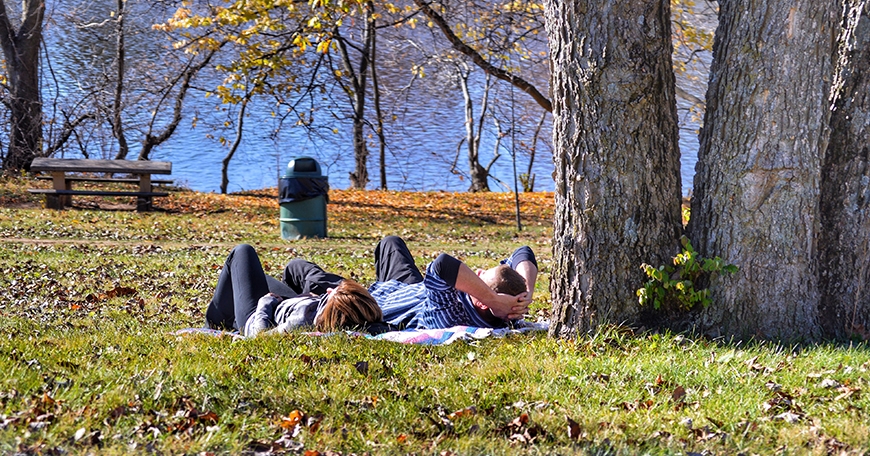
(65, 171)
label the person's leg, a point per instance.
(393, 261)
(241, 284)
(305, 277)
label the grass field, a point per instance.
(90, 297)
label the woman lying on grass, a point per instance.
(248, 300)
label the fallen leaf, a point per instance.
(209, 416)
(120, 291)
(678, 394)
(362, 367)
(521, 420)
(574, 430)
(313, 422)
(467, 411)
(788, 417)
(292, 420)
(829, 383)
(846, 391)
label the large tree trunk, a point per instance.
(844, 241)
(616, 156)
(759, 165)
(21, 51)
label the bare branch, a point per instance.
(68, 130)
(478, 59)
(150, 140)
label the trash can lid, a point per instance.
(303, 167)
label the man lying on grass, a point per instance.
(451, 294)
(248, 300)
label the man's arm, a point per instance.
(529, 271)
(524, 262)
(501, 305)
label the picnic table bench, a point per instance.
(60, 195)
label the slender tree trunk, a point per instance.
(496, 146)
(117, 127)
(360, 177)
(617, 169)
(756, 201)
(844, 241)
(225, 164)
(21, 52)
(478, 174)
(528, 179)
(376, 99)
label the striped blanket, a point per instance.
(410, 336)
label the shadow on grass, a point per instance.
(431, 214)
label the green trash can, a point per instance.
(303, 192)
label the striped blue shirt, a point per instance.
(434, 303)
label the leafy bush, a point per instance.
(675, 287)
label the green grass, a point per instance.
(89, 300)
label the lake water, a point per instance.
(422, 141)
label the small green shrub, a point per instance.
(674, 287)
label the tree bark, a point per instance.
(616, 156)
(759, 165)
(21, 51)
(844, 240)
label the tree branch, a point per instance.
(478, 59)
(68, 130)
(154, 140)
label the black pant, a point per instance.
(393, 261)
(243, 282)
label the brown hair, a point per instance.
(349, 305)
(507, 281)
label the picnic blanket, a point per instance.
(410, 336)
(450, 335)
